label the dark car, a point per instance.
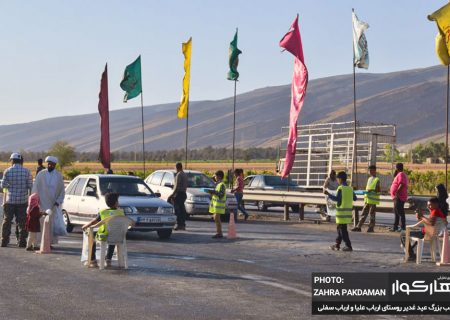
(270, 183)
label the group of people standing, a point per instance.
(344, 197)
(27, 202)
(217, 206)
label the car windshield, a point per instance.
(199, 180)
(276, 181)
(131, 187)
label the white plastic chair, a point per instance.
(117, 231)
(431, 236)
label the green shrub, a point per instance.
(69, 175)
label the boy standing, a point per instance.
(371, 199)
(218, 202)
(112, 201)
(344, 198)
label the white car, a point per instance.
(197, 201)
(85, 197)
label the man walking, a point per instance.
(371, 200)
(178, 197)
(18, 182)
(49, 184)
(399, 193)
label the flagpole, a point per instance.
(234, 122)
(355, 146)
(187, 129)
(446, 130)
(142, 120)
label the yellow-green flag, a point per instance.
(184, 104)
(442, 18)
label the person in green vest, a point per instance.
(344, 207)
(112, 201)
(218, 202)
(371, 200)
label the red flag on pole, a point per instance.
(293, 43)
(103, 110)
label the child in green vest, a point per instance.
(371, 200)
(112, 201)
(344, 207)
(218, 202)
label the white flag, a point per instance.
(360, 49)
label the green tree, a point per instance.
(388, 156)
(429, 150)
(64, 152)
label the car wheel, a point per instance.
(164, 233)
(69, 226)
(261, 206)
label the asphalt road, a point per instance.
(264, 274)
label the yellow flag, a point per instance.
(184, 104)
(442, 18)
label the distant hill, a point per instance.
(414, 100)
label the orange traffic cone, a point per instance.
(45, 241)
(445, 254)
(231, 227)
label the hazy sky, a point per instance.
(53, 52)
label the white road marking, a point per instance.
(70, 241)
(245, 261)
(173, 257)
(272, 283)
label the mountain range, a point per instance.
(413, 100)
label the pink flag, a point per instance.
(293, 43)
(103, 109)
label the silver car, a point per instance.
(85, 197)
(197, 202)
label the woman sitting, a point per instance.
(436, 219)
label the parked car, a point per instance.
(197, 202)
(269, 183)
(85, 197)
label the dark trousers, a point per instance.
(399, 210)
(368, 210)
(180, 210)
(109, 253)
(19, 211)
(343, 235)
(240, 203)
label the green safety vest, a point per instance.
(217, 205)
(102, 233)
(344, 211)
(372, 197)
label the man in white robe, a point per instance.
(49, 184)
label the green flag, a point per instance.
(132, 81)
(233, 74)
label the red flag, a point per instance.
(293, 43)
(103, 109)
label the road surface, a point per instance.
(264, 274)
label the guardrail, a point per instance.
(311, 198)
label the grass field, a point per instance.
(151, 166)
(210, 166)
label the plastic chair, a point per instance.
(117, 231)
(431, 236)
